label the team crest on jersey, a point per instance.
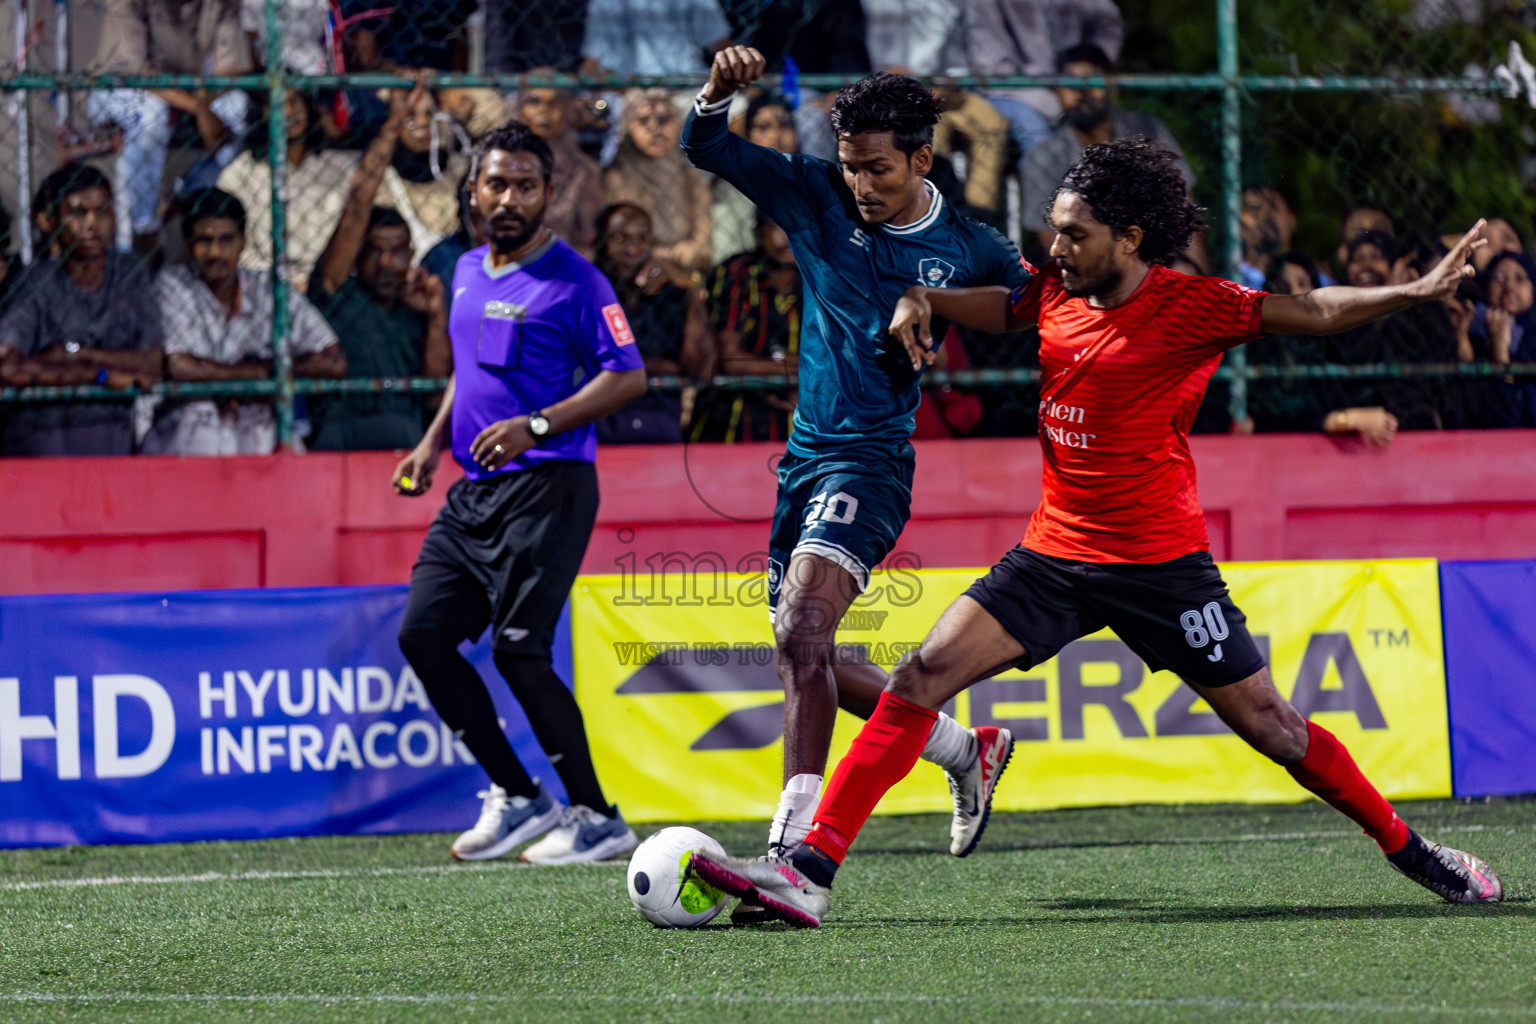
(934, 272)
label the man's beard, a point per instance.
(1088, 114)
(1108, 281)
(515, 236)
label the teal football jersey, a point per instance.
(857, 388)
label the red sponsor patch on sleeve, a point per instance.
(618, 325)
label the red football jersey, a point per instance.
(1119, 389)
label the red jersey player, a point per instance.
(1126, 349)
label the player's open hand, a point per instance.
(911, 325)
(413, 474)
(501, 442)
(1456, 267)
(735, 68)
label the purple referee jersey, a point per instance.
(526, 336)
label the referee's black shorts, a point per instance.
(505, 552)
(1175, 615)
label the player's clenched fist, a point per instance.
(735, 67)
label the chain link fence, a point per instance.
(315, 153)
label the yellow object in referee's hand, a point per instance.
(405, 482)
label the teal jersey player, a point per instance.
(863, 230)
(858, 391)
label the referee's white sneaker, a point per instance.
(972, 788)
(506, 821)
(583, 835)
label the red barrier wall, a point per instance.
(327, 519)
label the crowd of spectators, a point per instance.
(154, 254)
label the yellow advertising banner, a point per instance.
(675, 673)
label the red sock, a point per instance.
(881, 756)
(1330, 772)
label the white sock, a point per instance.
(950, 745)
(797, 811)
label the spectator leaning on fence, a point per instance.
(88, 317)
(1268, 222)
(1361, 218)
(1502, 237)
(1294, 274)
(666, 314)
(577, 180)
(218, 327)
(391, 317)
(158, 36)
(317, 188)
(1503, 330)
(1088, 116)
(755, 307)
(1420, 334)
(651, 172)
(1019, 38)
(768, 121)
(426, 167)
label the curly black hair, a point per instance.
(512, 137)
(1135, 181)
(887, 103)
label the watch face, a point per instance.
(538, 426)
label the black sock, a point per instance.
(557, 723)
(814, 864)
(462, 701)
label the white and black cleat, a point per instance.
(972, 788)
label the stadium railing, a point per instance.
(1241, 124)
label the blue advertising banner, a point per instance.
(230, 715)
(1489, 610)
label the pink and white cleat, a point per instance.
(773, 884)
(1453, 875)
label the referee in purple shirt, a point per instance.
(529, 317)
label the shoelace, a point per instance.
(580, 815)
(492, 809)
(1450, 864)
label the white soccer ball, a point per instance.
(661, 886)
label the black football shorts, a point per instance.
(1175, 615)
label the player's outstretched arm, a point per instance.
(734, 68)
(987, 309)
(788, 189)
(1339, 308)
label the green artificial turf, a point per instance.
(1129, 914)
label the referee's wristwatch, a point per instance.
(538, 426)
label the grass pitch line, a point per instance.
(262, 876)
(446, 869)
(777, 999)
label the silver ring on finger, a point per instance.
(499, 450)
